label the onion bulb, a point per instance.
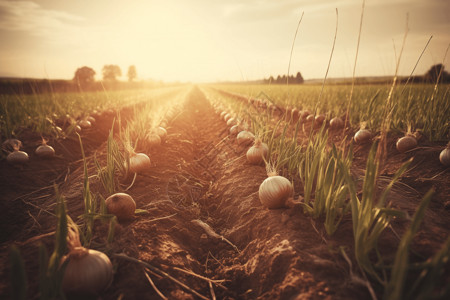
(91, 119)
(444, 157)
(222, 114)
(152, 140)
(406, 143)
(121, 205)
(336, 123)
(274, 191)
(139, 162)
(227, 117)
(305, 114)
(310, 118)
(162, 132)
(245, 138)
(85, 124)
(234, 130)
(318, 121)
(231, 122)
(44, 150)
(17, 157)
(88, 272)
(362, 136)
(257, 153)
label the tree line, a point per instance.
(298, 79)
(86, 75)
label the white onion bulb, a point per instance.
(274, 191)
(139, 162)
(88, 272)
(245, 138)
(257, 153)
(162, 132)
(234, 130)
(444, 157)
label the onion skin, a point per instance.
(406, 143)
(88, 272)
(245, 138)
(257, 153)
(17, 157)
(362, 136)
(444, 157)
(45, 151)
(139, 162)
(121, 205)
(274, 192)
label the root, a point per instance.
(209, 231)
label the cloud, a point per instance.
(28, 16)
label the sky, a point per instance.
(216, 40)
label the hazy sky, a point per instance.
(210, 40)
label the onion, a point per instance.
(231, 122)
(227, 117)
(274, 191)
(258, 152)
(90, 119)
(44, 150)
(406, 143)
(17, 157)
(295, 114)
(362, 136)
(305, 114)
(234, 130)
(222, 114)
(162, 132)
(336, 123)
(310, 118)
(318, 121)
(245, 138)
(139, 162)
(444, 157)
(88, 272)
(153, 140)
(121, 205)
(85, 124)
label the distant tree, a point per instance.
(299, 78)
(131, 73)
(271, 79)
(278, 79)
(84, 75)
(110, 72)
(433, 74)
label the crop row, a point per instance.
(305, 168)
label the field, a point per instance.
(359, 220)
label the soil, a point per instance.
(200, 176)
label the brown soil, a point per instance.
(200, 173)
